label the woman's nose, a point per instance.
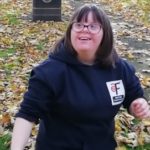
(85, 29)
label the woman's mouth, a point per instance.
(84, 38)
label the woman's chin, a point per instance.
(84, 49)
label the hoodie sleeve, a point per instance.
(37, 99)
(133, 87)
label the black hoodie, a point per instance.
(75, 103)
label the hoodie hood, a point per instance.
(64, 54)
(61, 53)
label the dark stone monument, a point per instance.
(46, 10)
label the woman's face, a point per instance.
(84, 42)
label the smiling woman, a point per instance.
(86, 36)
(75, 94)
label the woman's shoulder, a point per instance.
(49, 67)
(125, 65)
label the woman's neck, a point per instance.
(86, 60)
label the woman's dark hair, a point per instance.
(106, 54)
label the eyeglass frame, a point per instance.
(87, 26)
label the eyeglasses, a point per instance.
(93, 28)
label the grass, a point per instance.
(5, 142)
(141, 147)
(40, 46)
(12, 19)
(7, 52)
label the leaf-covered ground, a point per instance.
(24, 43)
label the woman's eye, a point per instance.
(92, 26)
(79, 25)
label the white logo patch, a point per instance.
(116, 91)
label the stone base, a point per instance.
(46, 10)
(46, 14)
